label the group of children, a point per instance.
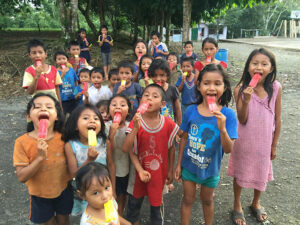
(137, 120)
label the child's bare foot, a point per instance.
(171, 187)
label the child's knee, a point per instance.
(188, 199)
(207, 201)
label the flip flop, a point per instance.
(238, 215)
(258, 212)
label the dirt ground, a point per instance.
(281, 199)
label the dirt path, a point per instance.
(281, 199)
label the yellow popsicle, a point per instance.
(109, 210)
(92, 138)
(185, 74)
(123, 82)
(76, 56)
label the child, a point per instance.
(145, 63)
(69, 79)
(80, 94)
(77, 149)
(94, 185)
(113, 79)
(206, 136)
(40, 77)
(259, 115)
(40, 163)
(159, 50)
(77, 62)
(175, 71)
(105, 42)
(189, 51)
(84, 45)
(97, 91)
(116, 133)
(186, 84)
(159, 72)
(102, 106)
(140, 49)
(131, 89)
(152, 137)
(209, 49)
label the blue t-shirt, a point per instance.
(203, 152)
(188, 93)
(68, 86)
(161, 46)
(194, 56)
(105, 48)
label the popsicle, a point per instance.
(185, 74)
(43, 128)
(92, 138)
(38, 62)
(85, 87)
(84, 39)
(109, 210)
(208, 59)
(90, 45)
(158, 83)
(171, 65)
(123, 83)
(254, 80)
(211, 101)
(76, 56)
(140, 56)
(143, 107)
(117, 117)
(63, 66)
(146, 73)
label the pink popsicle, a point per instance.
(254, 80)
(117, 118)
(63, 66)
(158, 83)
(211, 101)
(43, 128)
(171, 65)
(143, 107)
(140, 56)
(146, 73)
(38, 62)
(85, 87)
(208, 59)
(84, 39)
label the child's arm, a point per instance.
(180, 86)
(171, 160)
(123, 221)
(110, 42)
(32, 87)
(182, 144)
(242, 104)
(58, 95)
(111, 165)
(144, 175)
(178, 111)
(86, 99)
(277, 124)
(128, 142)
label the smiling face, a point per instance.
(140, 49)
(74, 50)
(88, 120)
(160, 76)
(96, 79)
(61, 60)
(145, 64)
(118, 104)
(37, 53)
(125, 74)
(261, 64)
(152, 95)
(209, 49)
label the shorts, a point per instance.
(106, 58)
(121, 185)
(43, 209)
(69, 106)
(211, 182)
(134, 208)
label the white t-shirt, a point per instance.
(95, 95)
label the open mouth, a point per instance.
(92, 127)
(43, 117)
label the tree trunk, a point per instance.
(161, 26)
(187, 14)
(101, 12)
(85, 13)
(73, 16)
(168, 23)
(144, 31)
(148, 31)
(135, 30)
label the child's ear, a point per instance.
(28, 119)
(80, 194)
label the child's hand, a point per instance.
(137, 121)
(78, 95)
(113, 129)
(92, 153)
(177, 174)
(64, 70)
(145, 176)
(121, 89)
(77, 60)
(169, 177)
(159, 51)
(221, 121)
(273, 153)
(86, 94)
(42, 148)
(38, 71)
(247, 94)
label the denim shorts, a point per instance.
(106, 58)
(211, 182)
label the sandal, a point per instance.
(258, 212)
(238, 215)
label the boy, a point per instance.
(189, 51)
(158, 49)
(105, 42)
(131, 89)
(186, 84)
(175, 71)
(152, 136)
(97, 91)
(84, 76)
(113, 79)
(40, 77)
(77, 62)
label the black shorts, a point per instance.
(121, 185)
(69, 106)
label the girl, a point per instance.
(95, 186)
(209, 49)
(145, 63)
(79, 92)
(259, 115)
(140, 49)
(77, 149)
(159, 50)
(116, 133)
(84, 45)
(40, 163)
(206, 136)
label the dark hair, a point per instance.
(35, 43)
(128, 103)
(140, 64)
(188, 59)
(188, 43)
(161, 90)
(84, 70)
(85, 175)
(80, 41)
(103, 26)
(81, 30)
(71, 130)
(174, 54)
(126, 64)
(159, 64)
(59, 53)
(156, 34)
(271, 77)
(73, 43)
(227, 95)
(97, 70)
(102, 103)
(140, 41)
(210, 40)
(111, 72)
(58, 124)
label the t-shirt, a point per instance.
(121, 158)
(199, 66)
(95, 95)
(76, 91)
(82, 64)
(142, 82)
(152, 146)
(68, 86)
(46, 82)
(161, 46)
(172, 95)
(84, 53)
(203, 152)
(194, 56)
(52, 177)
(188, 93)
(105, 48)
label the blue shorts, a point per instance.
(211, 182)
(121, 185)
(43, 209)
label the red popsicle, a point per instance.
(38, 62)
(117, 118)
(43, 128)
(140, 56)
(63, 66)
(146, 73)
(171, 65)
(254, 80)
(211, 101)
(85, 87)
(84, 39)
(208, 59)
(143, 107)
(158, 83)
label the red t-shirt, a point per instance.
(152, 146)
(82, 63)
(199, 66)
